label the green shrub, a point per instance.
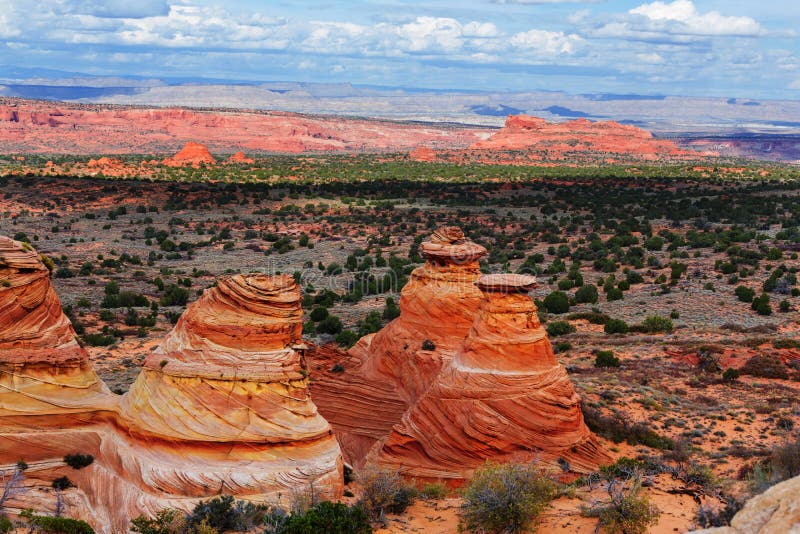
(606, 358)
(346, 338)
(78, 461)
(586, 294)
(744, 293)
(56, 525)
(505, 498)
(761, 305)
(5, 525)
(317, 314)
(559, 328)
(433, 491)
(656, 324)
(556, 302)
(330, 325)
(730, 375)
(614, 293)
(326, 517)
(616, 326)
(225, 514)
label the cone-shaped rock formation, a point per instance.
(504, 396)
(43, 369)
(389, 370)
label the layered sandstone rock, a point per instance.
(776, 510)
(231, 373)
(222, 407)
(503, 397)
(43, 369)
(386, 372)
(194, 154)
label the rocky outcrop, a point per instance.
(194, 154)
(386, 372)
(581, 136)
(503, 396)
(240, 159)
(776, 510)
(221, 407)
(29, 126)
(43, 369)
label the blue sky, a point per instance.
(735, 48)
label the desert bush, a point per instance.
(505, 498)
(782, 464)
(428, 345)
(606, 358)
(761, 305)
(317, 314)
(433, 491)
(330, 325)
(559, 328)
(78, 461)
(225, 514)
(556, 302)
(628, 511)
(167, 521)
(730, 375)
(383, 491)
(325, 517)
(619, 428)
(765, 366)
(55, 525)
(5, 525)
(586, 294)
(656, 324)
(346, 338)
(616, 326)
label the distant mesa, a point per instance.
(194, 154)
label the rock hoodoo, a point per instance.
(222, 407)
(389, 370)
(502, 397)
(43, 369)
(193, 154)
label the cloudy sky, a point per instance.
(739, 48)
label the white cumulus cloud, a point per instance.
(681, 16)
(549, 42)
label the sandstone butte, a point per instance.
(29, 126)
(523, 132)
(194, 154)
(772, 512)
(387, 371)
(221, 407)
(464, 374)
(504, 396)
(530, 140)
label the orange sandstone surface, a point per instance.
(56, 127)
(468, 374)
(222, 406)
(502, 397)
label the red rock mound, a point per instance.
(193, 154)
(241, 159)
(503, 396)
(581, 136)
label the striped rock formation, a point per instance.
(386, 372)
(503, 397)
(222, 407)
(230, 378)
(43, 369)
